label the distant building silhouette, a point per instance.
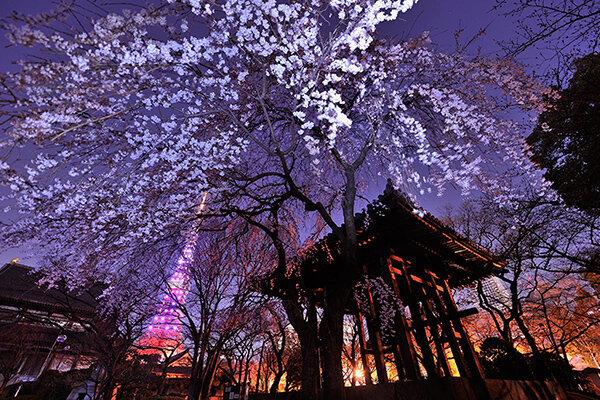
(40, 327)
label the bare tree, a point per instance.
(544, 245)
(561, 31)
(221, 301)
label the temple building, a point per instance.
(409, 326)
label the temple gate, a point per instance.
(421, 260)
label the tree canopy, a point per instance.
(566, 140)
(132, 116)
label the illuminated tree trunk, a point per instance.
(277, 378)
(337, 292)
(332, 339)
(209, 373)
(541, 370)
(193, 389)
(310, 367)
(107, 382)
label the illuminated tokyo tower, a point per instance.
(165, 330)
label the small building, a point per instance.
(418, 260)
(41, 327)
(593, 376)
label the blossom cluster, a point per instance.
(386, 302)
(136, 117)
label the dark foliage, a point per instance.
(165, 398)
(138, 380)
(566, 141)
(500, 360)
(562, 372)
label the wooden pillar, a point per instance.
(432, 325)
(418, 325)
(406, 360)
(376, 342)
(447, 328)
(398, 362)
(468, 351)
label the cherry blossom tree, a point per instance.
(277, 109)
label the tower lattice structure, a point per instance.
(164, 334)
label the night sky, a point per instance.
(442, 18)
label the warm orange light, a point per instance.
(358, 373)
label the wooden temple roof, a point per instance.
(393, 225)
(424, 238)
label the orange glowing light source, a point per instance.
(359, 373)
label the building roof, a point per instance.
(404, 227)
(19, 288)
(393, 224)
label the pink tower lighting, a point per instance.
(166, 324)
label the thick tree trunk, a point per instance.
(107, 390)
(310, 368)
(276, 380)
(260, 362)
(163, 379)
(572, 384)
(209, 373)
(337, 293)
(541, 370)
(107, 383)
(278, 351)
(306, 329)
(194, 389)
(332, 339)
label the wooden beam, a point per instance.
(442, 360)
(358, 319)
(419, 331)
(425, 282)
(449, 333)
(468, 350)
